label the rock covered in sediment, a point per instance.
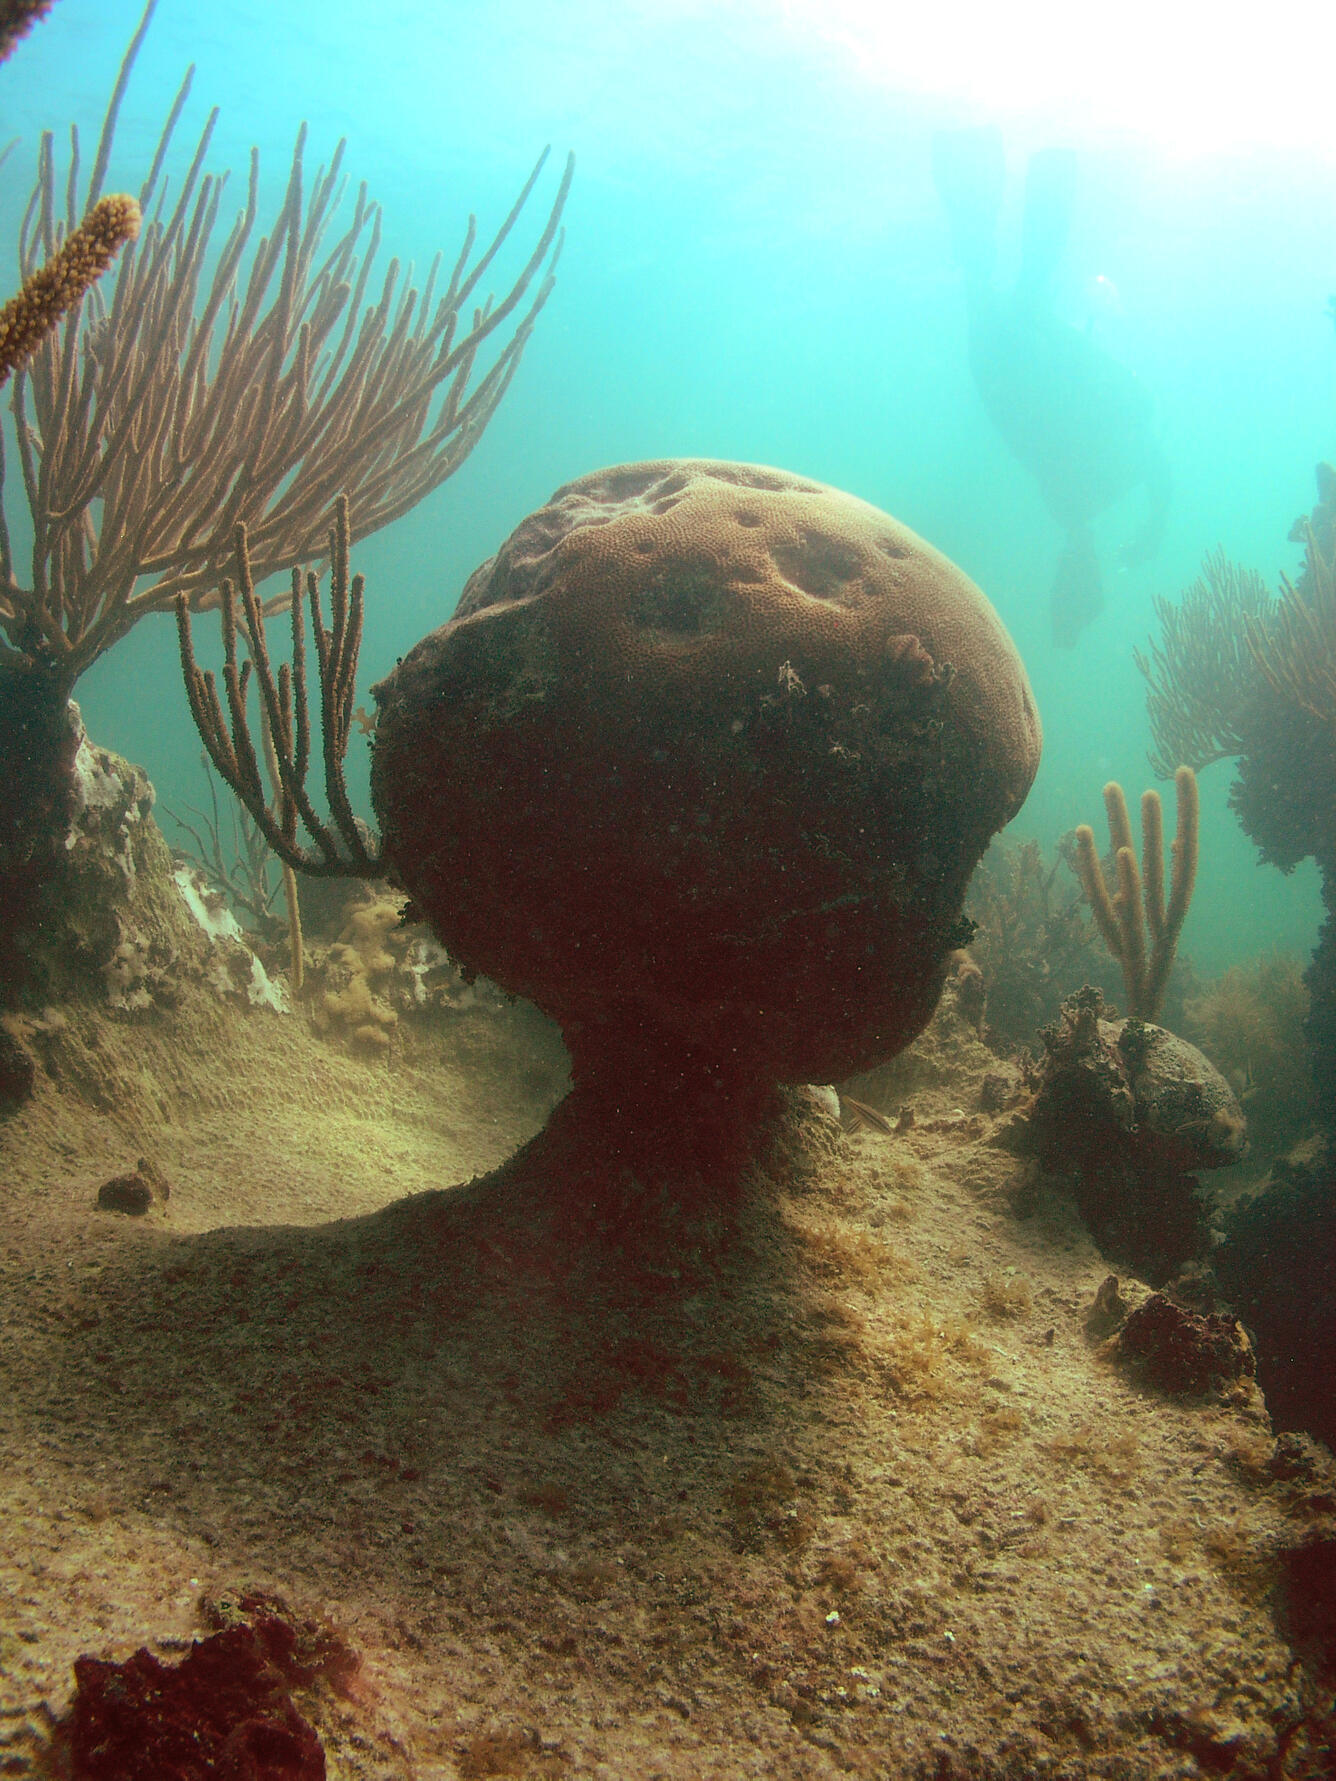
(1132, 1086)
(1183, 1102)
(223, 1710)
(1185, 1353)
(136, 1192)
(1129, 1112)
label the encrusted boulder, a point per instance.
(18, 1072)
(1137, 1086)
(1131, 1112)
(702, 766)
(1185, 1353)
(137, 1192)
(1277, 1265)
(111, 916)
(224, 1710)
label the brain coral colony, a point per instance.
(701, 766)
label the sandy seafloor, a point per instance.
(836, 1484)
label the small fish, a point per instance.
(859, 1117)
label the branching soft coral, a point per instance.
(1236, 672)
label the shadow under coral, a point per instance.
(428, 1392)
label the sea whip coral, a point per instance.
(1119, 913)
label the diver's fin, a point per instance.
(1050, 189)
(969, 170)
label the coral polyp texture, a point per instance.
(702, 766)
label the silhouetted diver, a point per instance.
(1082, 424)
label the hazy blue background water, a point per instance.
(757, 267)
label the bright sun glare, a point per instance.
(1194, 76)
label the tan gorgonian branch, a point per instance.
(340, 844)
(54, 288)
(1119, 913)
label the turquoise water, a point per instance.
(757, 266)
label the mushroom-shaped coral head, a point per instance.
(702, 766)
